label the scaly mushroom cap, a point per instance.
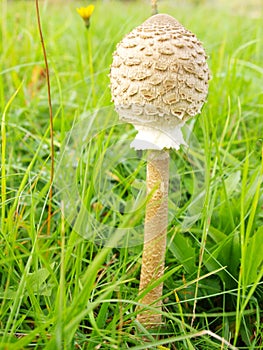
(159, 79)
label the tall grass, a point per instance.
(78, 287)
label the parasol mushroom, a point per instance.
(159, 79)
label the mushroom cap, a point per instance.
(159, 79)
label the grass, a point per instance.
(78, 286)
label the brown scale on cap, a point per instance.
(162, 64)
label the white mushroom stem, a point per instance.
(156, 219)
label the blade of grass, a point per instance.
(52, 155)
(3, 157)
(244, 299)
(10, 325)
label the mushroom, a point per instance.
(159, 79)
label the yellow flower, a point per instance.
(85, 13)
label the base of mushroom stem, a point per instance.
(158, 137)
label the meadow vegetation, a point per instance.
(77, 287)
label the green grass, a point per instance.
(78, 287)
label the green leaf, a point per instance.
(35, 283)
(216, 235)
(226, 252)
(253, 257)
(36, 279)
(183, 251)
(232, 182)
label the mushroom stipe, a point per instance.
(155, 232)
(159, 79)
